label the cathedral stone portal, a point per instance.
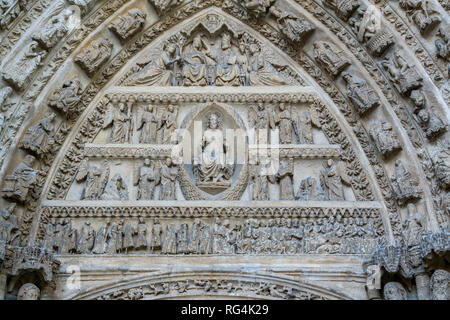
(276, 149)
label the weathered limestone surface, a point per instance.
(278, 149)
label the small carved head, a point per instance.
(29, 160)
(439, 285)
(29, 291)
(394, 291)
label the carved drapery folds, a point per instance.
(94, 55)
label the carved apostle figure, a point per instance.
(242, 59)
(168, 177)
(156, 238)
(194, 236)
(422, 12)
(403, 183)
(170, 240)
(440, 285)
(262, 120)
(331, 180)
(205, 239)
(146, 180)
(304, 127)
(93, 56)
(147, 123)
(29, 291)
(70, 241)
(219, 233)
(66, 98)
(330, 58)
(292, 26)
(195, 62)
(128, 238)
(49, 234)
(96, 179)
(39, 138)
(286, 123)
(310, 190)
(284, 176)
(404, 76)
(160, 71)
(213, 166)
(119, 116)
(116, 189)
(260, 177)
(384, 136)
(100, 237)
(128, 24)
(54, 30)
(141, 230)
(362, 96)
(23, 178)
(168, 125)
(86, 239)
(113, 239)
(8, 225)
(182, 239)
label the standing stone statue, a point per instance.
(262, 120)
(49, 235)
(331, 180)
(310, 190)
(119, 116)
(96, 179)
(116, 189)
(361, 95)
(384, 136)
(404, 184)
(100, 238)
(168, 124)
(194, 236)
(86, 239)
(260, 177)
(141, 229)
(128, 238)
(182, 239)
(147, 123)
(292, 26)
(66, 98)
(156, 240)
(404, 77)
(168, 177)
(39, 138)
(170, 240)
(394, 291)
(70, 237)
(29, 291)
(205, 239)
(146, 180)
(440, 285)
(285, 175)
(127, 25)
(286, 123)
(331, 59)
(23, 178)
(304, 127)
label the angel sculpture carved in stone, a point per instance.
(213, 169)
(385, 138)
(116, 189)
(168, 177)
(128, 24)
(66, 98)
(146, 180)
(423, 13)
(285, 176)
(95, 55)
(119, 117)
(404, 77)
(23, 178)
(262, 72)
(262, 120)
(330, 58)
(332, 178)
(293, 27)
(304, 127)
(159, 71)
(39, 138)
(167, 125)
(361, 95)
(147, 123)
(260, 176)
(96, 179)
(404, 184)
